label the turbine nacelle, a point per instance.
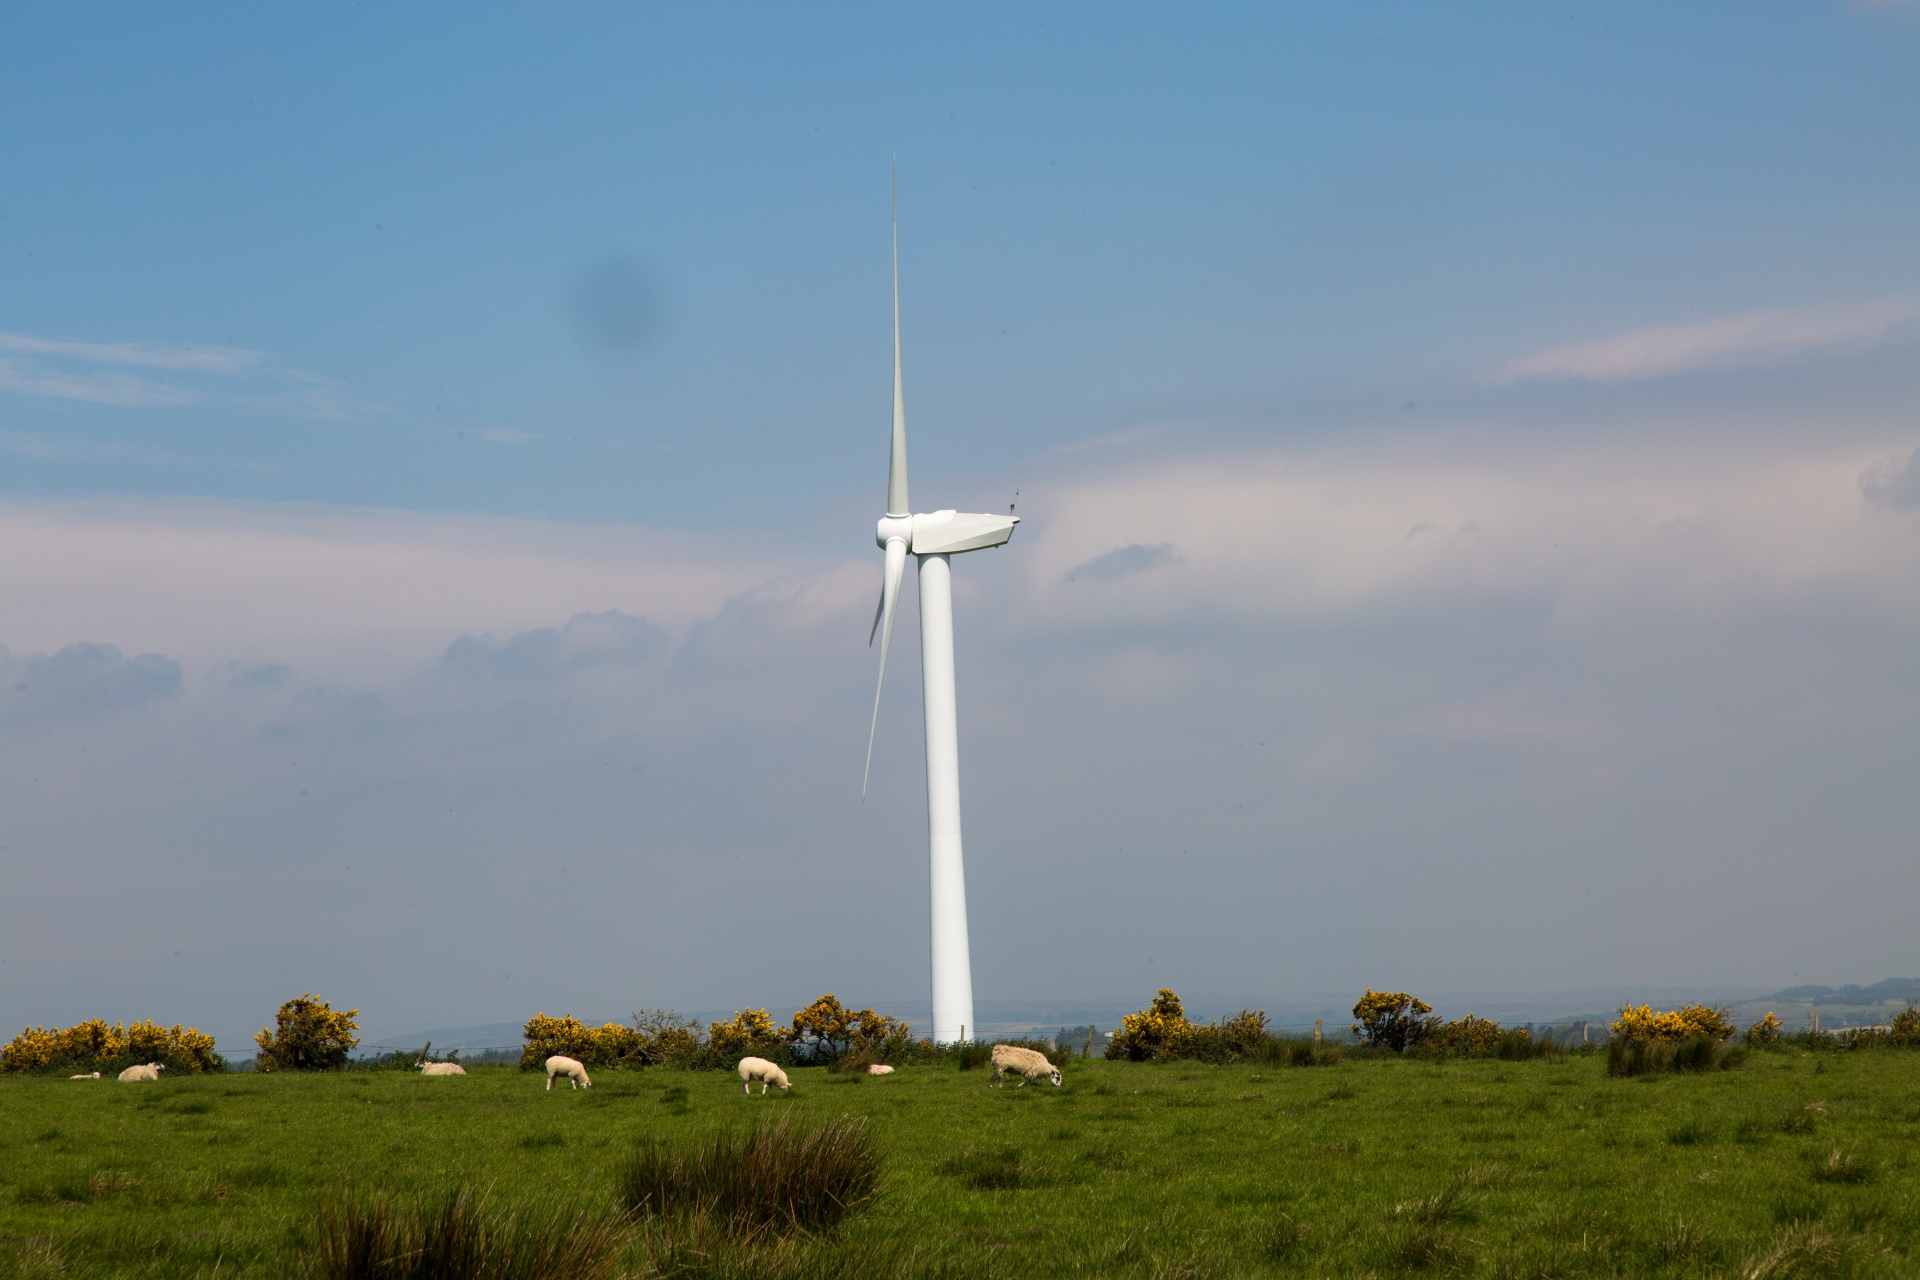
(941, 533)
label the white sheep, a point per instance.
(879, 1069)
(765, 1072)
(561, 1065)
(1028, 1064)
(91, 1075)
(442, 1069)
(146, 1071)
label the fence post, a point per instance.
(1316, 1031)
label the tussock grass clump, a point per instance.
(459, 1236)
(1002, 1168)
(1626, 1057)
(1692, 1133)
(1805, 1249)
(781, 1176)
(1844, 1167)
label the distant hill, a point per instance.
(1893, 989)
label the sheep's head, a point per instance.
(1054, 1075)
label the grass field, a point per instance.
(1795, 1165)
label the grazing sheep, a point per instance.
(1028, 1064)
(442, 1069)
(765, 1072)
(91, 1075)
(560, 1065)
(879, 1069)
(146, 1071)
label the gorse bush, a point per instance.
(1156, 1032)
(751, 1033)
(109, 1047)
(459, 1237)
(308, 1035)
(1764, 1034)
(542, 1037)
(1695, 1021)
(824, 1032)
(781, 1176)
(1162, 1033)
(827, 1030)
(1393, 1019)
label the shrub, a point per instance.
(783, 1175)
(1156, 1030)
(458, 1237)
(751, 1033)
(1764, 1034)
(970, 1055)
(100, 1046)
(309, 1035)
(1469, 1037)
(1640, 1022)
(1393, 1019)
(602, 1046)
(1162, 1033)
(1905, 1030)
(827, 1030)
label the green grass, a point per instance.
(1385, 1167)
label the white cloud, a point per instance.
(1270, 534)
(96, 372)
(1748, 338)
(148, 355)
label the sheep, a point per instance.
(560, 1065)
(146, 1071)
(442, 1069)
(91, 1075)
(765, 1072)
(879, 1069)
(1028, 1064)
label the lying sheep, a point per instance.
(1028, 1064)
(146, 1071)
(560, 1065)
(879, 1069)
(765, 1072)
(91, 1075)
(448, 1069)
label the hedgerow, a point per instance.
(105, 1047)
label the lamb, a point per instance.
(879, 1069)
(1028, 1064)
(146, 1071)
(765, 1072)
(91, 1075)
(442, 1069)
(561, 1065)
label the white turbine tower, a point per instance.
(932, 539)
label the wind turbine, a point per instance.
(932, 539)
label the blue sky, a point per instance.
(1491, 433)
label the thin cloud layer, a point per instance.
(1748, 338)
(177, 374)
(588, 640)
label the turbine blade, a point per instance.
(889, 602)
(897, 452)
(879, 608)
